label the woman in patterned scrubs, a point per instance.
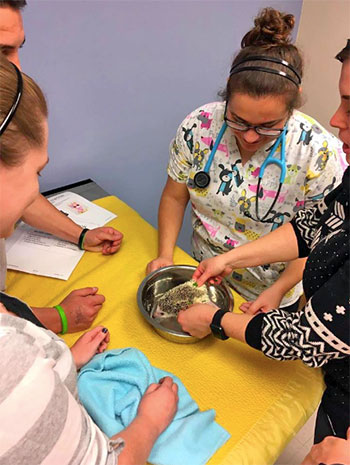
(258, 104)
(319, 334)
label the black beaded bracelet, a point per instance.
(81, 238)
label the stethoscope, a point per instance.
(202, 178)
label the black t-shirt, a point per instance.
(319, 334)
(14, 305)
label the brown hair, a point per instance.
(344, 54)
(26, 128)
(14, 4)
(270, 37)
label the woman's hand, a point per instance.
(81, 307)
(158, 263)
(159, 404)
(267, 301)
(89, 344)
(330, 451)
(215, 267)
(196, 319)
(106, 240)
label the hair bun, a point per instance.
(272, 28)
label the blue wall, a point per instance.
(121, 75)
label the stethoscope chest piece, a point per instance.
(201, 179)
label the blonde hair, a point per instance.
(26, 129)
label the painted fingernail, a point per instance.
(105, 330)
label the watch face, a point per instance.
(218, 332)
(216, 328)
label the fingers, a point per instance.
(180, 317)
(254, 308)
(158, 263)
(245, 306)
(151, 267)
(110, 249)
(97, 307)
(99, 332)
(215, 281)
(100, 339)
(348, 434)
(151, 388)
(108, 234)
(86, 291)
(169, 383)
(106, 240)
(203, 278)
(166, 381)
(197, 274)
(96, 330)
(97, 299)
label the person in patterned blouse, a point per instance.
(319, 334)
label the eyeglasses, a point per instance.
(261, 130)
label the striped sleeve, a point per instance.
(41, 421)
(317, 334)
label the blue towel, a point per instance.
(111, 386)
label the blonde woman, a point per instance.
(42, 420)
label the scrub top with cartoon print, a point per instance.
(223, 214)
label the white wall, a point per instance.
(323, 29)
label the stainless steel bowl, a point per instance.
(160, 281)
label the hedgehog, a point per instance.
(179, 298)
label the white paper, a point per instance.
(36, 252)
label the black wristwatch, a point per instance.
(215, 326)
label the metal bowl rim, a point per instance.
(155, 323)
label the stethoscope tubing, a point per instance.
(215, 147)
(281, 140)
(271, 160)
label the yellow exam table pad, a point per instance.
(261, 402)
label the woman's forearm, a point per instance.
(139, 439)
(290, 276)
(278, 246)
(43, 215)
(170, 217)
(235, 325)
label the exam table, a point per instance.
(261, 402)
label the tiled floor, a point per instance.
(299, 446)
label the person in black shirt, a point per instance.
(319, 334)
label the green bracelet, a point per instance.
(81, 238)
(63, 317)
